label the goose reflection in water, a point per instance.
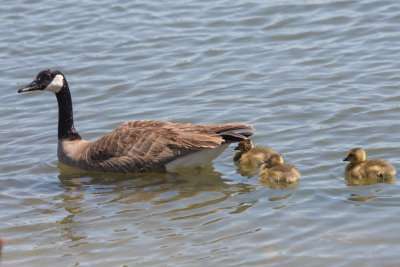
(155, 188)
(98, 199)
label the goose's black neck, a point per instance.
(66, 129)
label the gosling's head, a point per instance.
(356, 155)
(245, 146)
(46, 80)
(273, 160)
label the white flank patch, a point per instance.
(200, 158)
(56, 84)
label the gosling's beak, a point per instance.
(236, 148)
(346, 159)
(33, 86)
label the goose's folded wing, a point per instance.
(141, 146)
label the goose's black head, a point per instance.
(46, 80)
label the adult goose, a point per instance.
(135, 146)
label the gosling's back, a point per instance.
(276, 170)
(257, 155)
(370, 168)
(250, 155)
(280, 173)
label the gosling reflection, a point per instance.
(369, 180)
(249, 158)
(363, 171)
(276, 174)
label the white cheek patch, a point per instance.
(56, 84)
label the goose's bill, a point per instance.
(346, 159)
(33, 86)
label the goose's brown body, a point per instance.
(144, 146)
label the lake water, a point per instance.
(315, 78)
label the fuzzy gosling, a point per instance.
(276, 170)
(361, 167)
(252, 156)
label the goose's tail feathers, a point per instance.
(233, 132)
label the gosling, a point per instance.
(252, 156)
(276, 170)
(361, 167)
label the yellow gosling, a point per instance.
(276, 170)
(361, 167)
(252, 156)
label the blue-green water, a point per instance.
(315, 78)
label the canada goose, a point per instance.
(135, 146)
(253, 156)
(276, 170)
(361, 167)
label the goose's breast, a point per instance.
(70, 152)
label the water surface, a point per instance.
(315, 78)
